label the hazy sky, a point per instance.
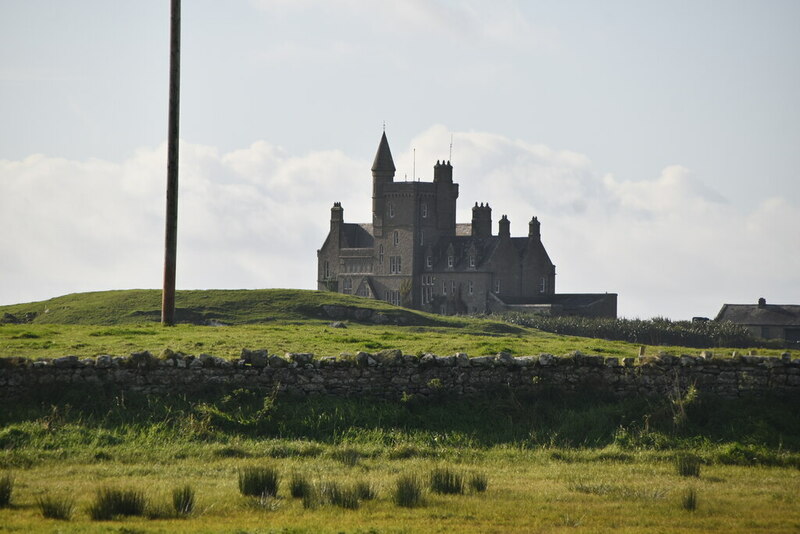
(657, 142)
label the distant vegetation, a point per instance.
(656, 331)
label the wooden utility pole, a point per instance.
(171, 240)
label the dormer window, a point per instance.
(472, 261)
(429, 261)
(450, 261)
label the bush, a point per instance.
(445, 480)
(56, 507)
(259, 481)
(183, 500)
(689, 500)
(6, 489)
(687, 465)
(110, 503)
(479, 482)
(299, 486)
(408, 491)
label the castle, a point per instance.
(414, 254)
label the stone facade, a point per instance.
(414, 253)
(390, 374)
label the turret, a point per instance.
(504, 227)
(382, 173)
(534, 229)
(481, 220)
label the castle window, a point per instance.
(391, 210)
(444, 287)
(394, 265)
(450, 261)
(452, 287)
(543, 287)
(429, 261)
(347, 286)
(472, 261)
(326, 270)
(471, 287)
(422, 237)
(497, 286)
(424, 210)
(380, 254)
(396, 238)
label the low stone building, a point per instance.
(415, 254)
(767, 321)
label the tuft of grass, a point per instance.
(312, 498)
(408, 491)
(687, 465)
(299, 486)
(689, 500)
(109, 503)
(447, 481)
(60, 508)
(348, 456)
(6, 489)
(365, 490)
(259, 481)
(478, 482)
(183, 500)
(340, 495)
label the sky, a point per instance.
(657, 142)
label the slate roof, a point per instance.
(383, 157)
(761, 315)
(357, 236)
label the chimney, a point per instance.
(504, 227)
(534, 229)
(481, 220)
(337, 215)
(443, 172)
(762, 302)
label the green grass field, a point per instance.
(553, 463)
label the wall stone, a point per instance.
(390, 374)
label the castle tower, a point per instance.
(383, 170)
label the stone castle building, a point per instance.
(414, 254)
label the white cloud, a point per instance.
(255, 217)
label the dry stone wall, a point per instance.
(391, 374)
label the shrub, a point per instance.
(408, 491)
(445, 480)
(299, 486)
(689, 500)
(259, 481)
(479, 482)
(109, 503)
(341, 496)
(687, 465)
(56, 507)
(6, 489)
(183, 500)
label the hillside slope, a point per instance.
(238, 306)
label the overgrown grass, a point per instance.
(689, 500)
(259, 481)
(687, 465)
(341, 495)
(408, 491)
(446, 480)
(479, 482)
(183, 500)
(6, 489)
(52, 507)
(300, 486)
(110, 503)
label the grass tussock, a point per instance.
(110, 503)
(299, 486)
(446, 481)
(478, 482)
(689, 500)
(408, 491)
(340, 495)
(348, 456)
(183, 501)
(60, 508)
(687, 465)
(6, 489)
(259, 481)
(366, 490)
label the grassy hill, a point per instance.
(234, 307)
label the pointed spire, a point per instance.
(383, 158)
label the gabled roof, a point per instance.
(357, 236)
(761, 315)
(383, 158)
